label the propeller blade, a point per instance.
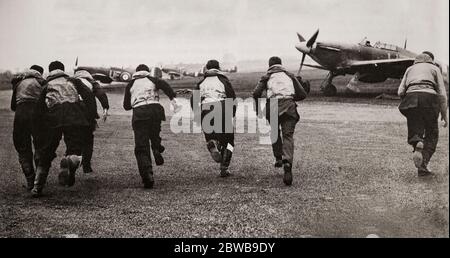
(301, 64)
(303, 60)
(300, 37)
(312, 39)
(76, 62)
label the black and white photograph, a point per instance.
(249, 120)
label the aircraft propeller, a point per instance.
(76, 65)
(300, 37)
(308, 45)
(301, 63)
(312, 39)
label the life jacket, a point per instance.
(85, 77)
(143, 91)
(60, 89)
(421, 76)
(29, 89)
(279, 84)
(211, 88)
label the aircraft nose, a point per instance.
(303, 48)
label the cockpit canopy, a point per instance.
(365, 42)
(382, 45)
(378, 44)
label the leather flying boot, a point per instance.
(212, 148)
(39, 181)
(227, 153)
(287, 177)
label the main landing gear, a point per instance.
(327, 87)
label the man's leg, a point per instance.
(274, 119)
(277, 147)
(416, 126)
(226, 147)
(416, 130)
(142, 152)
(431, 137)
(22, 144)
(288, 129)
(155, 139)
(226, 141)
(226, 151)
(74, 138)
(39, 134)
(212, 142)
(88, 149)
(46, 154)
(213, 146)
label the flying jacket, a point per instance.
(87, 80)
(422, 77)
(214, 87)
(27, 87)
(278, 87)
(142, 95)
(60, 105)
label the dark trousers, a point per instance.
(423, 127)
(221, 131)
(88, 147)
(146, 131)
(223, 139)
(74, 139)
(26, 135)
(283, 148)
(222, 136)
(422, 112)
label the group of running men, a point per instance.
(64, 106)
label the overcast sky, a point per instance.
(126, 33)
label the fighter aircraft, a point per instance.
(107, 75)
(110, 74)
(230, 70)
(174, 73)
(202, 71)
(368, 63)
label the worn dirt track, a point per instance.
(353, 176)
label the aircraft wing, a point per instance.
(406, 62)
(390, 68)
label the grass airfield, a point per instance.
(353, 176)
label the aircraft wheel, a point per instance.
(125, 77)
(330, 90)
(306, 85)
